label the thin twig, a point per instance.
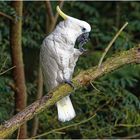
(65, 127)
(94, 86)
(7, 70)
(110, 44)
(132, 137)
(5, 15)
(75, 124)
(128, 125)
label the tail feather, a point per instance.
(65, 109)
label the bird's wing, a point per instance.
(48, 60)
(74, 59)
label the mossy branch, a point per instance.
(82, 79)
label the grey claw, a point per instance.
(82, 49)
(69, 82)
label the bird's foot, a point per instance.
(69, 82)
(81, 49)
(80, 46)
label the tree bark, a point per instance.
(61, 3)
(17, 60)
(51, 19)
(39, 95)
(82, 79)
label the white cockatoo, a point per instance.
(58, 58)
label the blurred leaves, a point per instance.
(6, 100)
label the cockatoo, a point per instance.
(58, 58)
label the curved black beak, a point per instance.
(81, 40)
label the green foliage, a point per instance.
(119, 90)
(6, 8)
(6, 100)
(34, 25)
(6, 95)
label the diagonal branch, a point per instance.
(7, 16)
(82, 79)
(1, 73)
(65, 127)
(74, 124)
(111, 43)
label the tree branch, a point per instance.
(39, 95)
(7, 16)
(111, 43)
(61, 3)
(17, 60)
(65, 127)
(74, 124)
(82, 79)
(1, 73)
(49, 11)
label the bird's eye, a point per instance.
(83, 29)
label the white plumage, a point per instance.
(58, 58)
(65, 109)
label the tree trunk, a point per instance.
(17, 60)
(39, 95)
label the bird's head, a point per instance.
(78, 27)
